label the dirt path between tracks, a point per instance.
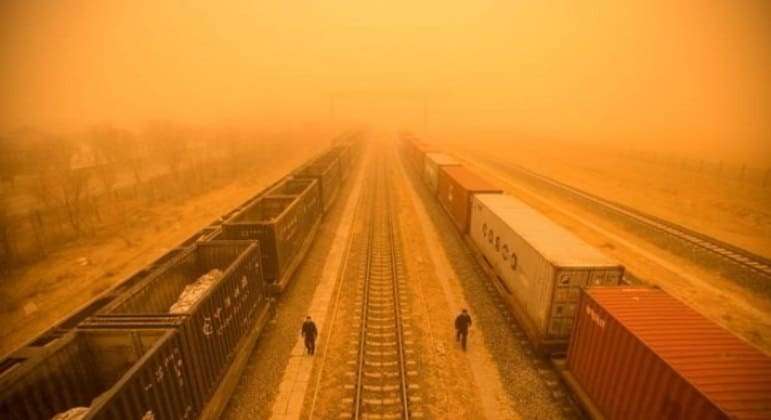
(33, 298)
(487, 386)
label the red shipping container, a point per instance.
(640, 353)
(455, 187)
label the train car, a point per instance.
(345, 157)
(456, 186)
(419, 151)
(432, 163)
(538, 266)
(325, 169)
(103, 373)
(228, 305)
(283, 221)
(640, 353)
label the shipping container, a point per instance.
(218, 319)
(419, 155)
(455, 187)
(325, 169)
(115, 374)
(639, 353)
(538, 266)
(283, 221)
(433, 162)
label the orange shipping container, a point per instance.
(639, 353)
(455, 187)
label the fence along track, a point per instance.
(741, 257)
(381, 388)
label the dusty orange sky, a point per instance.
(686, 76)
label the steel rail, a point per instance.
(397, 308)
(384, 224)
(738, 256)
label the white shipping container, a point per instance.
(540, 265)
(431, 170)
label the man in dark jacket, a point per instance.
(309, 331)
(462, 323)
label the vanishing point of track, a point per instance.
(377, 380)
(381, 388)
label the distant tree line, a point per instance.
(57, 187)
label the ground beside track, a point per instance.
(259, 386)
(710, 292)
(32, 298)
(499, 377)
(505, 370)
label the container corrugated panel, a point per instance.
(455, 186)
(540, 265)
(641, 353)
(432, 163)
(281, 222)
(214, 325)
(118, 374)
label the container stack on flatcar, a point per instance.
(539, 267)
(640, 353)
(283, 221)
(631, 352)
(455, 190)
(432, 164)
(159, 343)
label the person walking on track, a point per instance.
(310, 332)
(462, 324)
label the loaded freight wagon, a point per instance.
(325, 169)
(231, 306)
(101, 374)
(345, 157)
(455, 189)
(639, 353)
(283, 221)
(539, 268)
(432, 163)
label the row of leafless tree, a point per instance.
(56, 187)
(721, 170)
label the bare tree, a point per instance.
(60, 179)
(10, 162)
(169, 145)
(107, 146)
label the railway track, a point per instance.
(747, 260)
(381, 388)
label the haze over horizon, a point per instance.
(686, 77)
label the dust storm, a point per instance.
(131, 130)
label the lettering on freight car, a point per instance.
(595, 317)
(207, 327)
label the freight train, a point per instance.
(126, 355)
(625, 352)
